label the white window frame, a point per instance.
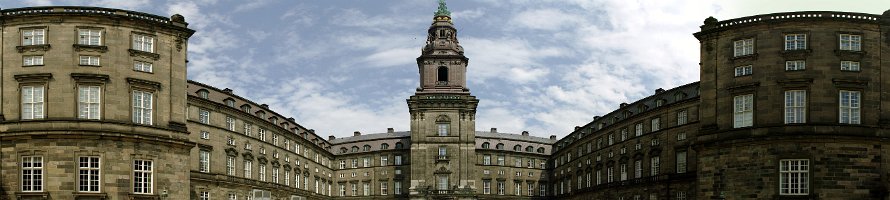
(34, 36)
(204, 161)
(656, 124)
(32, 174)
(89, 101)
(743, 111)
(743, 47)
(682, 117)
(849, 107)
(89, 167)
(638, 129)
(852, 66)
(654, 165)
(795, 41)
(794, 176)
(638, 168)
(33, 97)
(442, 129)
(795, 65)
(850, 42)
(203, 116)
(91, 37)
(143, 107)
(681, 162)
(262, 172)
(143, 179)
(795, 106)
(143, 43)
(397, 187)
(384, 188)
(744, 70)
(501, 187)
(248, 165)
(89, 60)
(230, 165)
(35, 60)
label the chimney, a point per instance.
(227, 91)
(622, 105)
(264, 105)
(312, 130)
(390, 130)
(291, 119)
(356, 133)
(659, 90)
(596, 117)
(494, 130)
(577, 127)
(524, 133)
(552, 137)
(331, 138)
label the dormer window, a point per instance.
(204, 94)
(273, 120)
(261, 114)
(245, 108)
(230, 102)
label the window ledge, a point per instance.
(96, 48)
(90, 196)
(144, 54)
(32, 195)
(850, 55)
(38, 47)
(742, 58)
(143, 197)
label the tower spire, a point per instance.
(442, 14)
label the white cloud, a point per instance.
(252, 5)
(392, 57)
(509, 59)
(549, 19)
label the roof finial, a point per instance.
(443, 10)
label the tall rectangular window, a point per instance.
(142, 107)
(366, 189)
(795, 41)
(143, 43)
(501, 160)
(32, 60)
(397, 187)
(743, 47)
(656, 124)
(849, 107)
(142, 66)
(543, 188)
(88, 172)
(486, 186)
(230, 123)
(501, 186)
(230, 165)
(286, 177)
(517, 188)
(247, 167)
(275, 175)
(794, 177)
(89, 60)
(850, 42)
(262, 172)
(743, 111)
(849, 66)
(33, 37)
(204, 195)
(610, 175)
(795, 65)
(795, 106)
(443, 129)
(623, 171)
(599, 177)
(531, 188)
(653, 163)
(89, 37)
(366, 162)
(397, 160)
(623, 138)
(744, 70)
(88, 102)
(486, 159)
(32, 102)
(204, 161)
(32, 174)
(681, 117)
(142, 177)
(638, 168)
(638, 129)
(681, 162)
(384, 160)
(204, 116)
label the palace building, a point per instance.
(96, 105)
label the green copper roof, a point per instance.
(443, 10)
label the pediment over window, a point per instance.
(231, 152)
(247, 156)
(443, 118)
(39, 77)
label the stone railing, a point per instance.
(712, 23)
(86, 10)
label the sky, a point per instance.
(543, 66)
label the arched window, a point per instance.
(384, 146)
(230, 102)
(500, 146)
(354, 149)
(517, 148)
(529, 149)
(485, 145)
(261, 114)
(540, 149)
(366, 148)
(343, 150)
(399, 145)
(245, 108)
(443, 75)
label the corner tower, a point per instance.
(442, 117)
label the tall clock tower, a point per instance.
(442, 117)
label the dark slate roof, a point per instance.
(511, 136)
(401, 134)
(373, 136)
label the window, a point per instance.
(384, 189)
(32, 174)
(653, 164)
(486, 160)
(342, 190)
(204, 116)
(744, 70)
(233, 196)
(442, 75)
(485, 145)
(851, 42)
(230, 165)
(638, 129)
(443, 153)
(443, 129)
(795, 41)
(275, 175)
(501, 160)
(143, 43)
(142, 177)
(794, 176)
(656, 124)
(517, 188)
(262, 134)
(384, 146)
(397, 187)
(543, 188)
(681, 136)
(88, 102)
(262, 172)
(499, 146)
(623, 172)
(145, 67)
(32, 60)
(744, 47)
(354, 190)
(275, 139)
(384, 160)
(681, 162)
(366, 162)
(89, 37)
(681, 195)
(795, 65)
(500, 187)
(33, 37)
(743, 111)
(849, 107)
(229, 102)
(88, 174)
(599, 178)
(204, 161)
(611, 141)
(609, 174)
(366, 189)
(247, 169)
(205, 135)
(366, 148)
(89, 60)
(205, 195)
(247, 128)
(681, 117)
(638, 168)
(142, 107)
(795, 106)
(849, 66)
(623, 135)
(442, 183)
(399, 145)
(486, 186)
(397, 160)
(32, 102)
